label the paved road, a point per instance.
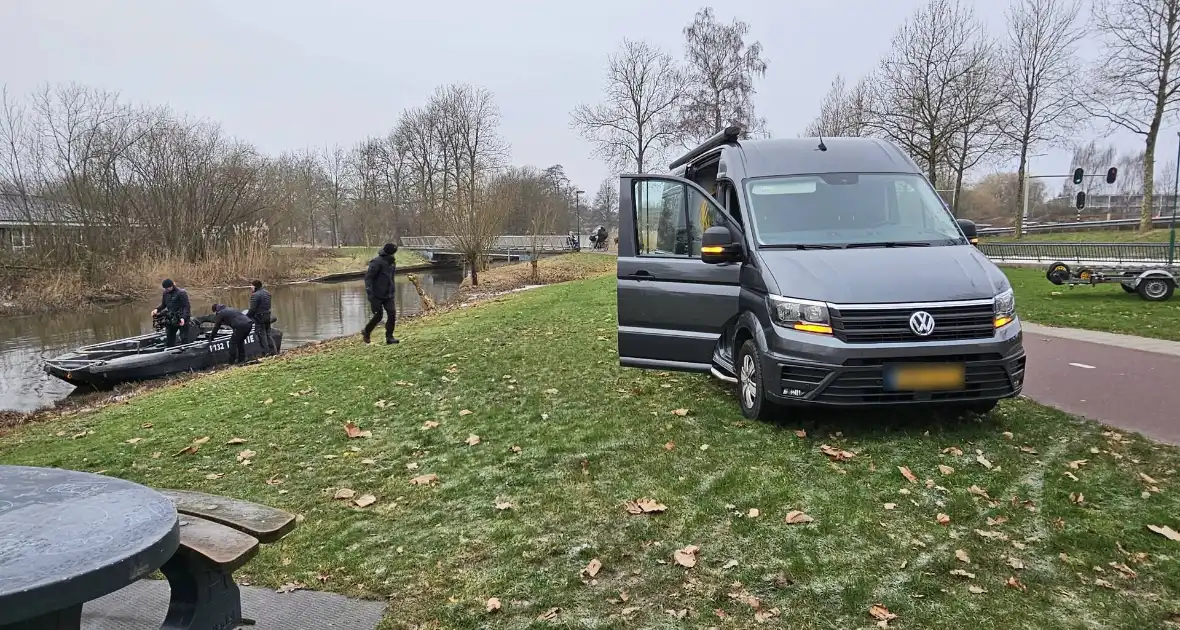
(1122, 381)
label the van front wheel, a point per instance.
(751, 389)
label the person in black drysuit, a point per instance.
(175, 303)
(379, 290)
(239, 324)
(260, 312)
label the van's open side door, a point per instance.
(672, 306)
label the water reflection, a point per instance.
(306, 312)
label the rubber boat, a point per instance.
(142, 358)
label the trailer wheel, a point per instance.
(1085, 275)
(1156, 289)
(1058, 273)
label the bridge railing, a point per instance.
(545, 243)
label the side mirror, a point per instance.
(969, 231)
(718, 246)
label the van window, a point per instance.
(670, 217)
(849, 208)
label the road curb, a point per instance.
(1158, 346)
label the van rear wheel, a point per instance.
(751, 386)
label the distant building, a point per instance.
(24, 217)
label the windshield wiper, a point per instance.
(889, 244)
(800, 246)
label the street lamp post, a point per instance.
(578, 212)
(1172, 223)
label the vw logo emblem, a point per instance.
(922, 323)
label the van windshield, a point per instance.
(850, 209)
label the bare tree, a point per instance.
(1136, 83)
(721, 70)
(1039, 66)
(916, 100)
(978, 121)
(474, 216)
(638, 118)
(605, 207)
(843, 111)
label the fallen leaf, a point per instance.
(1078, 463)
(943, 519)
(946, 470)
(289, 587)
(962, 556)
(1016, 563)
(411, 465)
(890, 506)
(678, 614)
(983, 461)
(246, 455)
(1028, 449)
(669, 446)
(429, 424)
(991, 534)
(353, 432)
(1165, 531)
(905, 472)
(961, 573)
(549, 615)
(593, 568)
(1077, 499)
(1148, 479)
(645, 506)
(1071, 476)
(492, 605)
(1103, 583)
(504, 505)
(999, 520)
(836, 454)
(686, 557)
(1124, 569)
(465, 412)
(753, 513)
(881, 613)
(1007, 435)
(762, 616)
(236, 440)
(146, 425)
(1015, 583)
(728, 565)
(268, 401)
(344, 493)
(976, 589)
(979, 492)
(424, 480)
(472, 439)
(365, 500)
(680, 412)
(516, 449)
(136, 440)
(551, 391)
(213, 476)
(796, 517)
(953, 450)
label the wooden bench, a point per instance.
(218, 535)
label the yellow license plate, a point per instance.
(926, 377)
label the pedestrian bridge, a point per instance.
(443, 249)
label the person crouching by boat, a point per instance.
(239, 324)
(380, 291)
(175, 305)
(259, 311)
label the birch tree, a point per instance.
(721, 71)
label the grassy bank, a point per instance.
(1104, 307)
(1090, 236)
(506, 445)
(32, 286)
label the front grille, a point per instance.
(886, 324)
(863, 382)
(800, 380)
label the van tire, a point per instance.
(751, 390)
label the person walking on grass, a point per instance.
(259, 311)
(177, 311)
(379, 291)
(239, 324)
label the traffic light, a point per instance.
(1078, 175)
(1081, 200)
(1111, 174)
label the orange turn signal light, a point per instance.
(1002, 321)
(813, 328)
(713, 249)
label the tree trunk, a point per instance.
(1021, 174)
(1145, 212)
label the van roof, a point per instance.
(801, 156)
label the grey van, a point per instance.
(812, 272)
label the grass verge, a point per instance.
(506, 442)
(1103, 307)
(1094, 236)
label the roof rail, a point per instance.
(725, 136)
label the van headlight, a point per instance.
(1004, 305)
(803, 315)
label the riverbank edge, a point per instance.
(466, 297)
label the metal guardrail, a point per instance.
(1074, 226)
(545, 243)
(1082, 253)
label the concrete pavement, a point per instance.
(1129, 382)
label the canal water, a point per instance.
(305, 312)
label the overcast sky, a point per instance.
(295, 73)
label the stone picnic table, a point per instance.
(69, 537)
